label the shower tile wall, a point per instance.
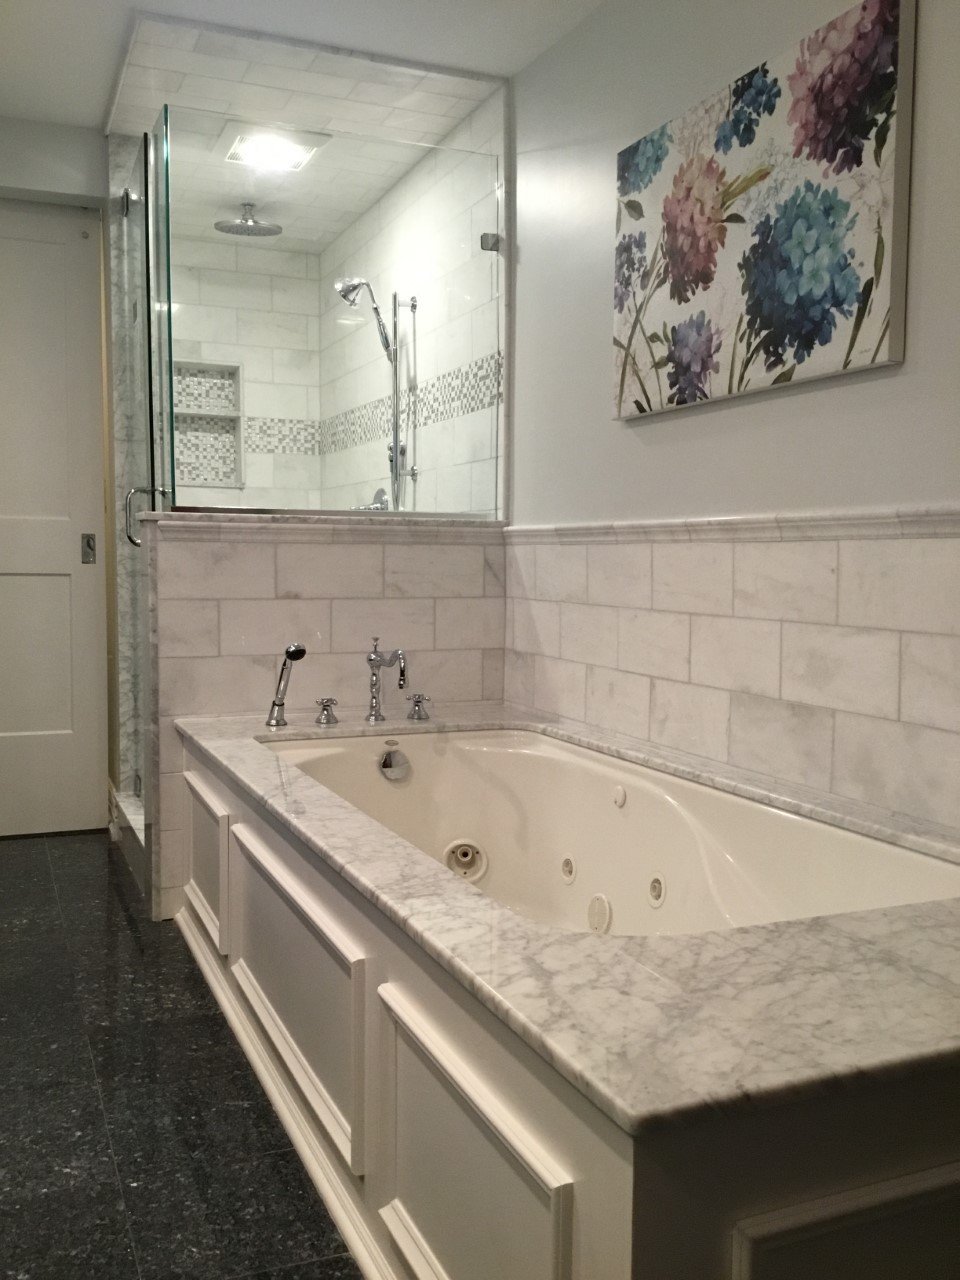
(129, 412)
(422, 238)
(316, 388)
(241, 304)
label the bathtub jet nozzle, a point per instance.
(293, 653)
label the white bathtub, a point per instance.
(581, 840)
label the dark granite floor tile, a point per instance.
(23, 860)
(112, 996)
(341, 1268)
(81, 874)
(163, 1124)
(32, 920)
(212, 1219)
(50, 1060)
(11, 844)
(100, 918)
(79, 1233)
(69, 845)
(27, 891)
(36, 986)
(151, 947)
(159, 1052)
(53, 1141)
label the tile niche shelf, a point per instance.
(208, 425)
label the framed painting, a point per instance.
(761, 237)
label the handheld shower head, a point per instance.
(350, 290)
(293, 653)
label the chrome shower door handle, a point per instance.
(128, 510)
(128, 514)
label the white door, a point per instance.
(53, 664)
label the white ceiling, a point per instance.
(61, 58)
(365, 114)
(265, 81)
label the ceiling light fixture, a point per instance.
(273, 152)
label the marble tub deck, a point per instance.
(657, 1027)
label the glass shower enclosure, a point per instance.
(335, 328)
(139, 308)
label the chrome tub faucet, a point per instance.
(376, 661)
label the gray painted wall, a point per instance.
(887, 437)
(55, 162)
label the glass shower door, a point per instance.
(134, 464)
(141, 355)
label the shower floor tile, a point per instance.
(137, 1142)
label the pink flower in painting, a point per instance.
(693, 226)
(845, 84)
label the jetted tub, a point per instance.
(580, 840)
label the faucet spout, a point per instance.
(376, 661)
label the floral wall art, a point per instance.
(761, 237)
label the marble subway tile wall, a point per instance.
(832, 662)
(422, 238)
(128, 408)
(240, 304)
(230, 595)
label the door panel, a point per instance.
(52, 608)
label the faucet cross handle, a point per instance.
(418, 711)
(326, 715)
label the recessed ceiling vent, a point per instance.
(268, 150)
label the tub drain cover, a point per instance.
(466, 859)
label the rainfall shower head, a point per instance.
(247, 225)
(349, 290)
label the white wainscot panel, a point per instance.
(208, 834)
(304, 978)
(472, 1191)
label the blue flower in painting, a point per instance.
(798, 274)
(753, 95)
(638, 165)
(725, 136)
(691, 358)
(630, 262)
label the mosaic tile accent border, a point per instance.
(203, 452)
(283, 435)
(475, 386)
(454, 394)
(365, 423)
